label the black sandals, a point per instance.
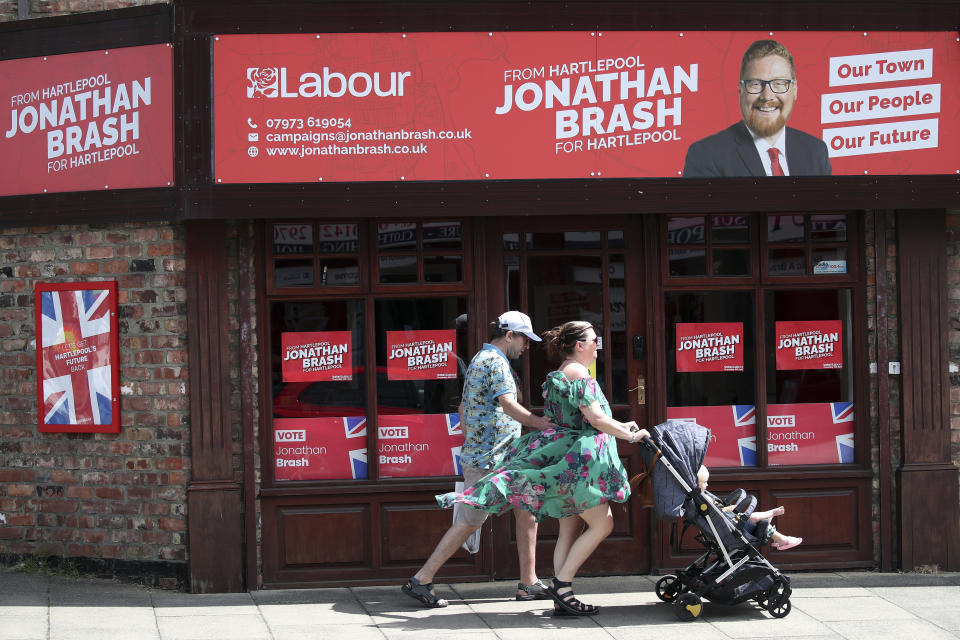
(568, 602)
(423, 593)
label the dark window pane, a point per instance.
(618, 347)
(701, 388)
(433, 394)
(292, 273)
(615, 239)
(442, 235)
(566, 240)
(785, 228)
(339, 272)
(730, 229)
(295, 237)
(511, 242)
(829, 261)
(787, 262)
(398, 269)
(338, 238)
(685, 230)
(443, 269)
(392, 236)
(688, 262)
(731, 262)
(560, 289)
(829, 227)
(511, 288)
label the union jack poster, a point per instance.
(324, 448)
(414, 445)
(78, 376)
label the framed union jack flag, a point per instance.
(78, 375)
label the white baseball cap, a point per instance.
(518, 322)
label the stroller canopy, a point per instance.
(684, 446)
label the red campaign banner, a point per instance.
(818, 433)
(422, 355)
(85, 121)
(733, 432)
(320, 448)
(809, 344)
(574, 104)
(709, 346)
(316, 355)
(417, 445)
(78, 357)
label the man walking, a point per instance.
(492, 418)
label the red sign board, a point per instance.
(320, 448)
(709, 346)
(419, 445)
(85, 121)
(317, 355)
(422, 355)
(818, 433)
(78, 370)
(812, 344)
(570, 104)
(733, 432)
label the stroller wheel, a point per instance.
(688, 607)
(668, 587)
(779, 608)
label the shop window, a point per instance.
(414, 253)
(708, 246)
(307, 255)
(803, 396)
(810, 411)
(802, 245)
(710, 354)
(319, 390)
(422, 353)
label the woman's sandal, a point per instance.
(423, 593)
(568, 602)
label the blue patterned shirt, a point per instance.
(488, 430)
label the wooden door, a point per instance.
(582, 268)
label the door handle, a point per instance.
(641, 390)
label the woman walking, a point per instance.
(571, 472)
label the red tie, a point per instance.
(775, 161)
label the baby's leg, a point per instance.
(757, 516)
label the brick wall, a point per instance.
(953, 318)
(100, 496)
(44, 8)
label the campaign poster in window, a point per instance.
(415, 445)
(78, 369)
(733, 432)
(815, 433)
(316, 356)
(422, 355)
(320, 448)
(709, 346)
(809, 344)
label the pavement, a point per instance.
(849, 605)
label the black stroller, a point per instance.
(732, 570)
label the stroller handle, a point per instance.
(647, 441)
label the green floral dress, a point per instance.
(556, 472)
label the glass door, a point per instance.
(557, 270)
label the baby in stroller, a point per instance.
(731, 569)
(758, 525)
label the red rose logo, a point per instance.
(262, 81)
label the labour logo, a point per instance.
(262, 82)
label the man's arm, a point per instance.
(521, 414)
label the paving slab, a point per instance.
(828, 609)
(912, 628)
(29, 627)
(206, 627)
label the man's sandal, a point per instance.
(568, 602)
(423, 593)
(535, 591)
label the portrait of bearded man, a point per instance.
(761, 144)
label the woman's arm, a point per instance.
(600, 421)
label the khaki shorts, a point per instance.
(470, 515)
